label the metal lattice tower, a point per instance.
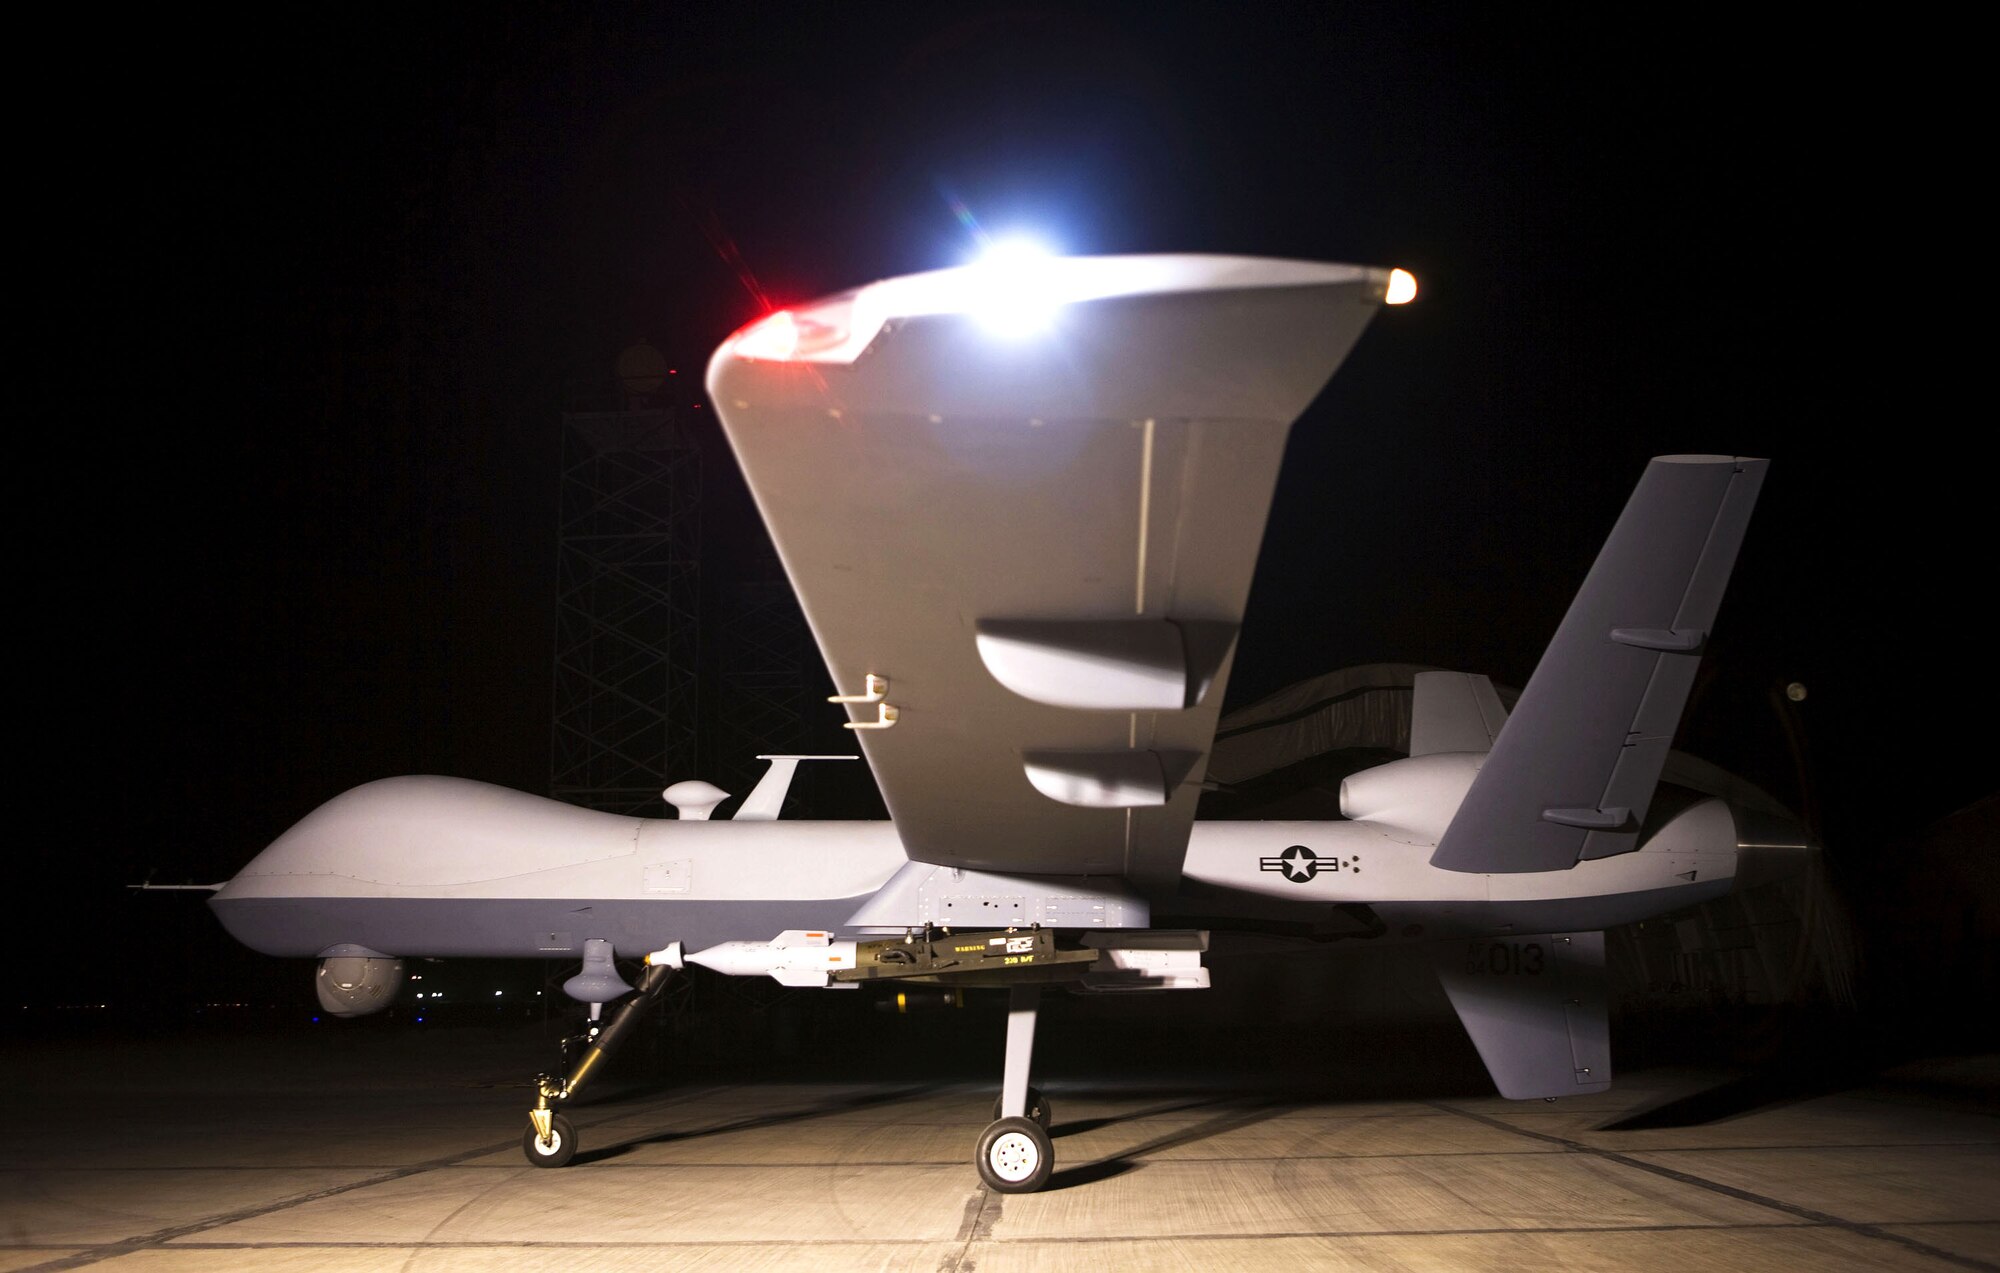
(628, 610)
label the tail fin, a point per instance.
(1454, 711)
(1574, 768)
(1536, 1010)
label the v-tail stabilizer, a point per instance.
(1536, 1009)
(1573, 770)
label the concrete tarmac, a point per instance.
(304, 1152)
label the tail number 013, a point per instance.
(1504, 959)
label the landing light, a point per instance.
(1402, 288)
(1011, 290)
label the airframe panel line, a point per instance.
(160, 1237)
(1859, 1227)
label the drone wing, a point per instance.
(1021, 507)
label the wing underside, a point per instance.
(1040, 547)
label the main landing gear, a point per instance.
(1014, 1153)
(550, 1140)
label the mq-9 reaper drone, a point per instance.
(1021, 504)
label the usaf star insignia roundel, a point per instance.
(1299, 864)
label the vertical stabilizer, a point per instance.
(1536, 1009)
(1573, 770)
(1454, 712)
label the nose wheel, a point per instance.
(556, 1149)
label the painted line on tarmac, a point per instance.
(1074, 1239)
(1824, 1218)
(160, 1237)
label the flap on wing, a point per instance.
(1454, 712)
(1572, 774)
(1044, 542)
(1536, 1009)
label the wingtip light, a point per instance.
(1402, 288)
(774, 338)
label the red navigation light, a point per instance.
(814, 335)
(774, 339)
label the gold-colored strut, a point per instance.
(552, 1088)
(591, 1057)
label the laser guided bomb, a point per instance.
(1152, 960)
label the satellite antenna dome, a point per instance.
(694, 799)
(642, 370)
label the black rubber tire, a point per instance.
(1038, 1108)
(556, 1154)
(1015, 1156)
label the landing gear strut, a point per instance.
(550, 1140)
(1038, 1107)
(1015, 1154)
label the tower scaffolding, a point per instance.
(628, 610)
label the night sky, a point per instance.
(310, 296)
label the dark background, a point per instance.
(307, 294)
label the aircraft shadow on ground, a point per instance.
(823, 1109)
(1078, 1126)
(1812, 1064)
(1246, 1114)
(1741, 1097)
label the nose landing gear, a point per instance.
(550, 1140)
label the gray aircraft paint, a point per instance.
(505, 928)
(441, 867)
